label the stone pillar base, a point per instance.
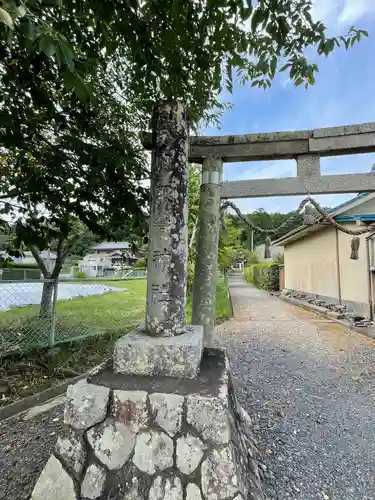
(137, 353)
(154, 438)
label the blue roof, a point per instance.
(358, 197)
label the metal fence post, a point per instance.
(52, 339)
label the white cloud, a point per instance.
(339, 13)
(325, 11)
(288, 203)
(355, 9)
(261, 170)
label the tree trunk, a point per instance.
(46, 302)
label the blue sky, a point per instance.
(344, 94)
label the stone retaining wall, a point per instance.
(123, 444)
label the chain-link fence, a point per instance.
(42, 313)
(19, 274)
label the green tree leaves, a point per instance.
(48, 45)
(173, 48)
(257, 19)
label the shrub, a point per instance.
(264, 275)
(17, 265)
(20, 274)
(274, 277)
(77, 273)
(190, 276)
(142, 263)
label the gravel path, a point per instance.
(25, 446)
(308, 383)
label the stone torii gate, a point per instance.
(305, 146)
(160, 421)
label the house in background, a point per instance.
(317, 258)
(94, 265)
(108, 258)
(119, 253)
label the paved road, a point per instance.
(309, 385)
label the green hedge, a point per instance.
(17, 265)
(265, 275)
(19, 274)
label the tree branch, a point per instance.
(39, 260)
(62, 255)
(69, 246)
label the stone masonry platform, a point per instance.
(132, 437)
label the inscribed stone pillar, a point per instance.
(167, 257)
(204, 287)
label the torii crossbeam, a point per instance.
(305, 146)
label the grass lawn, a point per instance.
(110, 315)
(112, 312)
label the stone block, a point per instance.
(86, 405)
(166, 410)
(153, 452)
(308, 166)
(130, 408)
(189, 453)
(93, 482)
(166, 488)
(360, 128)
(256, 151)
(72, 451)
(193, 492)
(139, 354)
(54, 483)
(209, 416)
(344, 142)
(213, 140)
(112, 442)
(246, 422)
(219, 475)
(163, 438)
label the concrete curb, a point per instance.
(312, 307)
(230, 303)
(334, 316)
(39, 398)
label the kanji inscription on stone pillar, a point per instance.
(167, 257)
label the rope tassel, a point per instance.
(354, 245)
(267, 248)
(308, 216)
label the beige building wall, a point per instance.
(311, 265)
(354, 273)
